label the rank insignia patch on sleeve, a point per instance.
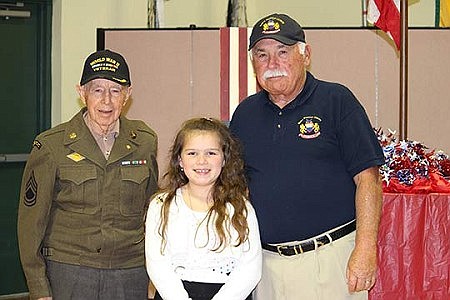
(29, 198)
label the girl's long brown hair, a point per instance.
(230, 186)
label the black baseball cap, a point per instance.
(279, 27)
(108, 65)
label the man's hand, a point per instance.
(362, 269)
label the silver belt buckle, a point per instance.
(279, 248)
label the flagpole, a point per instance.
(364, 12)
(403, 118)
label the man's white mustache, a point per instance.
(274, 73)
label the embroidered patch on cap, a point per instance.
(271, 25)
(309, 127)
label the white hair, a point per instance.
(301, 47)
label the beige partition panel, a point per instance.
(367, 62)
(176, 75)
(429, 87)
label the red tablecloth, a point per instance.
(414, 248)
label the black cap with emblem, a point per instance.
(279, 27)
(108, 65)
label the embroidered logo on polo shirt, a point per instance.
(309, 127)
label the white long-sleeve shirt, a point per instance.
(188, 255)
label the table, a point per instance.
(414, 248)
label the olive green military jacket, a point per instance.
(76, 207)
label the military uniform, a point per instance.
(78, 208)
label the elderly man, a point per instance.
(84, 192)
(312, 164)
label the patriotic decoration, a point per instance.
(237, 80)
(412, 168)
(385, 14)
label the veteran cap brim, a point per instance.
(100, 76)
(281, 39)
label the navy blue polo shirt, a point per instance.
(300, 160)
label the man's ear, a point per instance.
(307, 55)
(129, 91)
(128, 95)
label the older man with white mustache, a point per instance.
(312, 163)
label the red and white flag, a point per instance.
(237, 80)
(385, 14)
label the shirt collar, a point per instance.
(114, 131)
(305, 93)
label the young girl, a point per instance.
(202, 239)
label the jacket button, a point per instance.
(99, 250)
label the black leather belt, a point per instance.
(311, 244)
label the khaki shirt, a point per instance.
(76, 207)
